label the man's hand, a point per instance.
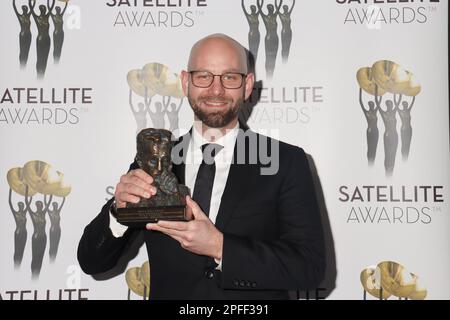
(132, 186)
(199, 236)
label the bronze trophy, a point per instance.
(154, 148)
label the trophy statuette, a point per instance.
(154, 148)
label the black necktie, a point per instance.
(205, 177)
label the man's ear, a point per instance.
(249, 83)
(184, 81)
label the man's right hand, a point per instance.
(132, 186)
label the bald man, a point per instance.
(256, 231)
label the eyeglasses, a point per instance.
(229, 80)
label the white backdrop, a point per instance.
(311, 101)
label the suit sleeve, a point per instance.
(98, 249)
(296, 259)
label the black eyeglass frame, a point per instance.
(220, 77)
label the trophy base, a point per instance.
(138, 217)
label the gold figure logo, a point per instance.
(387, 79)
(155, 79)
(37, 177)
(138, 280)
(390, 278)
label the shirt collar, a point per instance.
(227, 141)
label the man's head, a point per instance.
(217, 105)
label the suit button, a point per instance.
(253, 284)
(209, 274)
(242, 283)
(235, 283)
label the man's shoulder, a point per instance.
(272, 156)
(283, 147)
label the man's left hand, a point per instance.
(199, 235)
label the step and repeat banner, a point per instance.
(362, 86)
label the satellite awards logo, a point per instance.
(390, 90)
(138, 281)
(377, 13)
(271, 41)
(288, 105)
(33, 178)
(390, 278)
(43, 40)
(155, 79)
(157, 13)
(388, 80)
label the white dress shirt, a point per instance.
(222, 159)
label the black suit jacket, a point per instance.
(273, 239)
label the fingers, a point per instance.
(122, 199)
(132, 186)
(180, 231)
(142, 175)
(196, 210)
(176, 225)
(169, 225)
(168, 231)
(136, 181)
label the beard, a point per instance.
(216, 118)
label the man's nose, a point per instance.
(216, 86)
